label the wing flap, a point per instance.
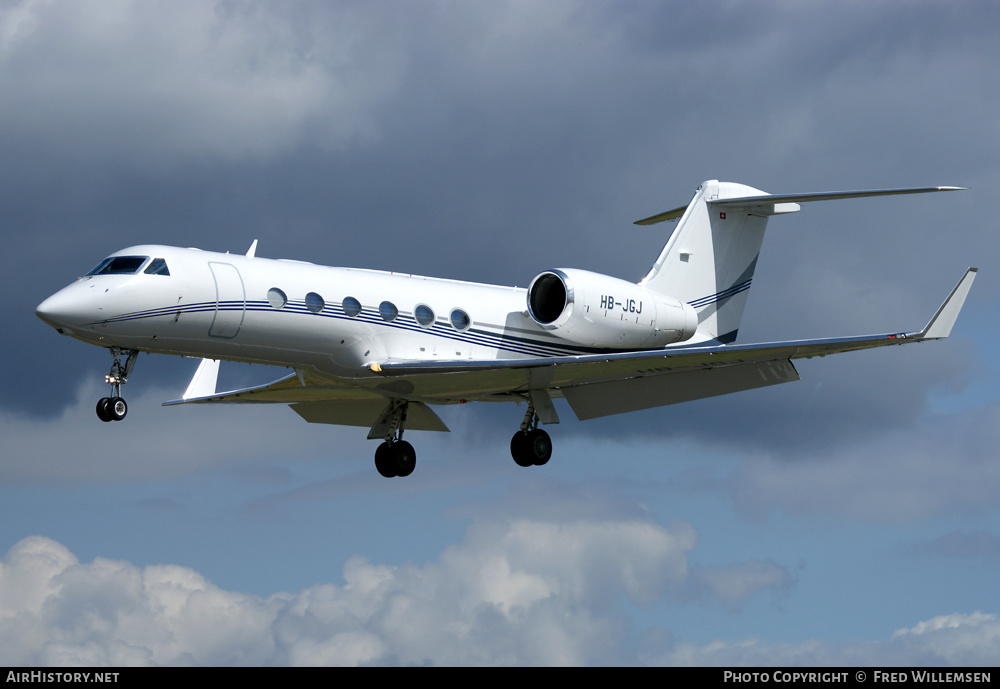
(292, 388)
(657, 390)
(367, 413)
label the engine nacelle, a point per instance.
(593, 309)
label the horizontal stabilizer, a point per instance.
(825, 196)
(777, 200)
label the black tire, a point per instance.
(539, 447)
(519, 450)
(117, 409)
(405, 458)
(384, 461)
(104, 409)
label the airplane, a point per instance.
(379, 349)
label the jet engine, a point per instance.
(598, 310)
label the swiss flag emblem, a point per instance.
(722, 216)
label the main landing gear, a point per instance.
(530, 446)
(114, 408)
(395, 456)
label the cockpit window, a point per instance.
(119, 265)
(157, 267)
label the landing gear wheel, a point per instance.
(114, 408)
(394, 457)
(405, 457)
(397, 458)
(540, 446)
(384, 460)
(519, 449)
(531, 448)
(104, 409)
(117, 409)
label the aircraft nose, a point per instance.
(59, 310)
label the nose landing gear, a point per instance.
(114, 408)
(111, 409)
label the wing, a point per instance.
(594, 385)
(600, 385)
(315, 400)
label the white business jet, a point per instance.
(377, 349)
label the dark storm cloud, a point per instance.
(493, 141)
(490, 141)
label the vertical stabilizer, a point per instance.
(709, 260)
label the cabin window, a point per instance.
(119, 265)
(460, 319)
(314, 302)
(388, 311)
(276, 298)
(424, 315)
(157, 267)
(351, 306)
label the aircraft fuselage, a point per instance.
(293, 313)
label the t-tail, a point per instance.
(709, 260)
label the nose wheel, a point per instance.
(114, 408)
(111, 409)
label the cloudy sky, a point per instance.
(852, 517)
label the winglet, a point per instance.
(204, 381)
(252, 251)
(940, 325)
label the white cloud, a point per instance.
(513, 592)
(518, 592)
(954, 640)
